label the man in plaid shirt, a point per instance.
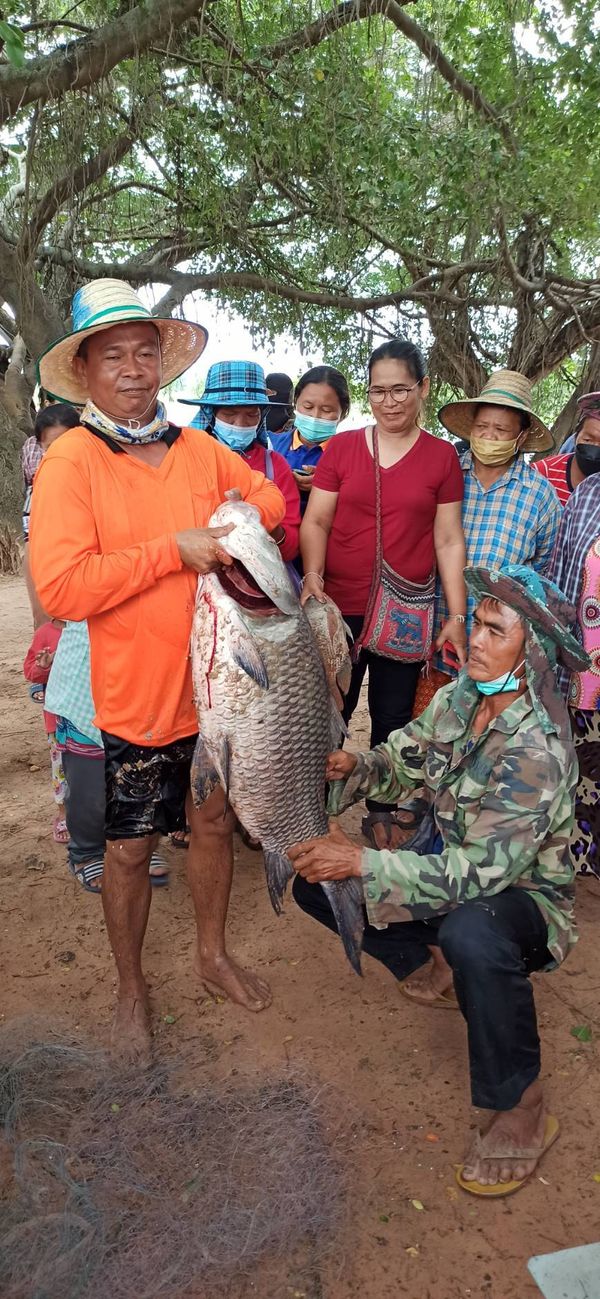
(511, 514)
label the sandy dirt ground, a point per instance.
(399, 1068)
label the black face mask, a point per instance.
(588, 458)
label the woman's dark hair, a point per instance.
(399, 349)
(329, 375)
(59, 413)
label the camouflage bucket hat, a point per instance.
(538, 601)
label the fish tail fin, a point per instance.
(279, 871)
(347, 903)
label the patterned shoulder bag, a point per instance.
(398, 622)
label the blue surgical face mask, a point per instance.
(237, 439)
(313, 429)
(501, 685)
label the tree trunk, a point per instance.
(589, 382)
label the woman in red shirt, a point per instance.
(421, 494)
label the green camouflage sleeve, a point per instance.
(528, 796)
(391, 771)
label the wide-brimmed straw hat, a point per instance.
(234, 383)
(101, 305)
(537, 600)
(504, 388)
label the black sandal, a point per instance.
(408, 823)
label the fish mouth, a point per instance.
(237, 582)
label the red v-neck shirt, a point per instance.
(411, 490)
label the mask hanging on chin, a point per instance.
(503, 685)
(237, 439)
(588, 458)
(493, 453)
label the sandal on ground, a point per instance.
(388, 819)
(254, 844)
(180, 838)
(443, 1000)
(60, 834)
(88, 874)
(508, 1188)
(37, 691)
(160, 879)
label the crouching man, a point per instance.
(486, 888)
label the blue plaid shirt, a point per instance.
(69, 685)
(515, 521)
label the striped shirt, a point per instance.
(557, 469)
(515, 521)
(579, 529)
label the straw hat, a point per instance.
(100, 305)
(504, 388)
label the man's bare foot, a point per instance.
(223, 977)
(517, 1130)
(130, 1039)
(432, 981)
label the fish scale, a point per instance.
(267, 718)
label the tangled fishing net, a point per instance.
(129, 1186)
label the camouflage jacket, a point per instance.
(502, 802)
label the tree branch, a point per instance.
(434, 55)
(81, 63)
(71, 183)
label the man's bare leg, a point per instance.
(209, 872)
(519, 1129)
(126, 892)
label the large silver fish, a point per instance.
(267, 690)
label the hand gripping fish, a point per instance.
(269, 678)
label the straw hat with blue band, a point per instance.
(504, 388)
(101, 305)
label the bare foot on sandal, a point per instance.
(520, 1129)
(130, 1039)
(432, 981)
(223, 977)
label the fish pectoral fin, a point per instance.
(204, 776)
(245, 652)
(279, 871)
(338, 731)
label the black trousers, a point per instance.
(85, 801)
(492, 945)
(391, 695)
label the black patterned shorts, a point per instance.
(146, 787)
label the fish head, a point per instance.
(257, 579)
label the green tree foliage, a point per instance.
(341, 171)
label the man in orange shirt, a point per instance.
(123, 550)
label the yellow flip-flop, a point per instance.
(442, 1000)
(508, 1188)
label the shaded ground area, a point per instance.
(399, 1067)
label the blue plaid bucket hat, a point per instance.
(233, 383)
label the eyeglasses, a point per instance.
(397, 393)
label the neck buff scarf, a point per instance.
(151, 432)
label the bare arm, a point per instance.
(314, 535)
(451, 559)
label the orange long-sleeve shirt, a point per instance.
(103, 547)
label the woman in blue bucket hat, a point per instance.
(233, 408)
